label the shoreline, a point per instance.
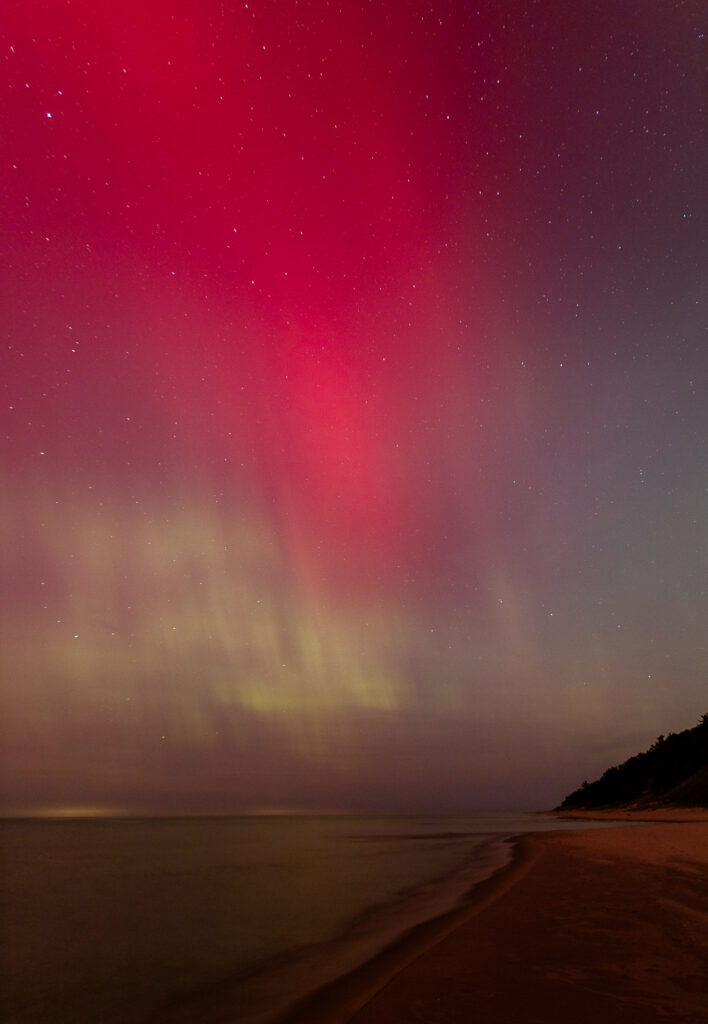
(340, 999)
(347, 969)
(440, 971)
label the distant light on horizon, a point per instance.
(78, 811)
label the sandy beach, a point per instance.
(605, 925)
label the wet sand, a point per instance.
(605, 925)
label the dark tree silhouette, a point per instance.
(672, 772)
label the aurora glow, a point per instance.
(354, 403)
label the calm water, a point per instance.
(220, 919)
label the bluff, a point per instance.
(673, 772)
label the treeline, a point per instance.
(672, 772)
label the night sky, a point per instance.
(353, 403)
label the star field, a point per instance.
(353, 400)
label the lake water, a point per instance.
(129, 921)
